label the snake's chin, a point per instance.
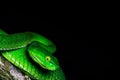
(43, 66)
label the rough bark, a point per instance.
(10, 72)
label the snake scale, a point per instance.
(33, 54)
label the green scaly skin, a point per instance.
(19, 40)
(15, 49)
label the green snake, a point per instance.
(32, 53)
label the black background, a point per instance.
(77, 48)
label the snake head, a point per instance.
(41, 56)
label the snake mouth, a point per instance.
(43, 66)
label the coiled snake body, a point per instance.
(32, 53)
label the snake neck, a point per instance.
(52, 75)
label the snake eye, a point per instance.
(48, 58)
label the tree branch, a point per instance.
(10, 72)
